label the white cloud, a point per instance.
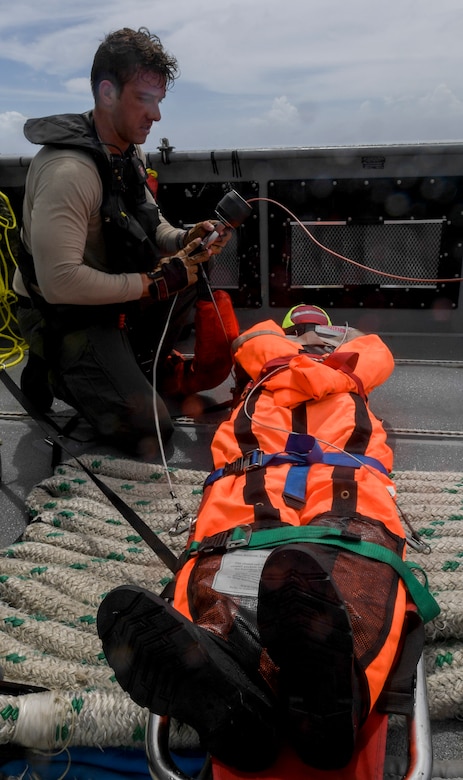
(12, 140)
(441, 98)
(80, 86)
(282, 112)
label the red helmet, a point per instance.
(304, 317)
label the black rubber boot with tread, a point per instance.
(174, 667)
(306, 629)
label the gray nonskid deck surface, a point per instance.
(421, 406)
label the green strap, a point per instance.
(426, 604)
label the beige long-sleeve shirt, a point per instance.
(62, 229)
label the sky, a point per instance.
(254, 73)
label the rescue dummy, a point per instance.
(280, 630)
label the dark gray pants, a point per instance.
(105, 372)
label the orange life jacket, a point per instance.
(294, 399)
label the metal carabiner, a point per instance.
(415, 541)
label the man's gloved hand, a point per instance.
(202, 230)
(176, 273)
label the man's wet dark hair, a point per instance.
(124, 53)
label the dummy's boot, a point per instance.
(216, 327)
(306, 629)
(174, 667)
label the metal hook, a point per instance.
(184, 522)
(415, 541)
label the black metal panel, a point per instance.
(237, 268)
(409, 229)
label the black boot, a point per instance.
(174, 667)
(306, 629)
(35, 383)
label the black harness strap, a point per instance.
(55, 433)
(345, 491)
(254, 491)
(397, 696)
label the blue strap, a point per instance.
(303, 460)
(296, 480)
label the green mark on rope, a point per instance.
(4, 578)
(56, 522)
(39, 617)
(451, 566)
(116, 557)
(50, 505)
(14, 621)
(62, 732)
(54, 536)
(89, 619)
(78, 566)
(456, 517)
(197, 492)
(10, 712)
(64, 487)
(447, 658)
(143, 502)
(79, 481)
(127, 487)
(14, 658)
(96, 464)
(134, 539)
(77, 704)
(112, 521)
(39, 570)
(155, 476)
(139, 734)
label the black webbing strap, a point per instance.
(397, 696)
(54, 432)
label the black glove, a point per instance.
(170, 278)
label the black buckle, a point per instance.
(251, 460)
(223, 541)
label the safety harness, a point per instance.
(294, 494)
(245, 537)
(302, 451)
(129, 219)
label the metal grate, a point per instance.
(225, 272)
(407, 249)
(225, 267)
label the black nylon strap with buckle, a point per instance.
(251, 460)
(225, 541)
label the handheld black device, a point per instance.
(231, 210)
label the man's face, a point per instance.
(136, 108)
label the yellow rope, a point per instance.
(12, 352)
